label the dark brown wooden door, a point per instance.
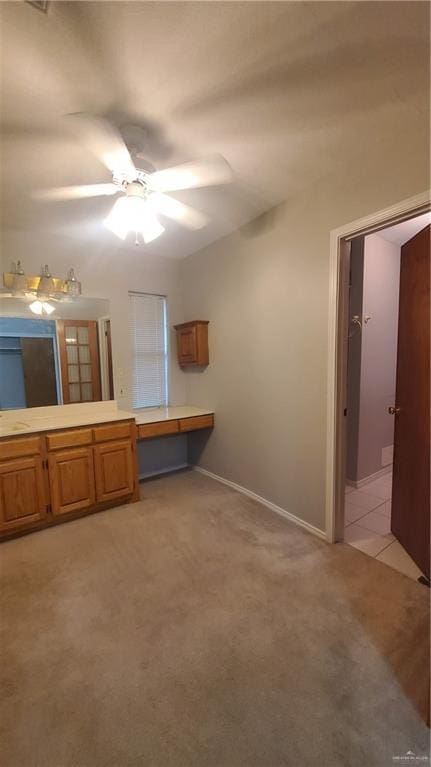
(79, 359)
(39, 371)
(410, 521)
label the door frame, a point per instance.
(104, 357)
(336, 442)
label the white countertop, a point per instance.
(154, 415)
(15, 423)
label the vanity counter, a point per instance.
(15, 423)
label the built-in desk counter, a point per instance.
(172, 420)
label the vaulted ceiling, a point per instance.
(286, 91)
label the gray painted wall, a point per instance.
(161, 454)
(379, 352)
(375, 281)
(354, 356)
(266, 297)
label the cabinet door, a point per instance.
(71, 479)
(187, 345)
(22, 493)
(114, 469)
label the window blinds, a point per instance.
(150, 354)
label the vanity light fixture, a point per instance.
(42, 287)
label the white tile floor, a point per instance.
(367, 525)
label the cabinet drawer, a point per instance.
(147, 430)
(15, 448)
(112, 431)
(197, 422)
(71, 438)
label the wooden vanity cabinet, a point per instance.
(192, 343)
(58, 474)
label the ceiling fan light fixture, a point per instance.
(132, 214)
(151, 227)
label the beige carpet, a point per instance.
(198, 628)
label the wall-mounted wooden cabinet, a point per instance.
(58, 474)
(192, 343)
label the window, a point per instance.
(148, 326)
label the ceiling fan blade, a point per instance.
(172, 208)
(214, 170)
(76, 192)
(105, 141)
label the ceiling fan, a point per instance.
(142, 191)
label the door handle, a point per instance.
(393, 410)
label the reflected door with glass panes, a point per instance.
(79, 357)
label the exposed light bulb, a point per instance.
(36, 307)
(133, 214)
(41, 307)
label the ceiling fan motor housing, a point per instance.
(137, 189)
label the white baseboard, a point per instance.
(278, 510)
(371, 477)
(149, 474)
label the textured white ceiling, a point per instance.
(286, 91)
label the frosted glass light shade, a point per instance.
(133, 214)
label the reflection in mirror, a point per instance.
(56, 359)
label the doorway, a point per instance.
(386, 509)
(339, 329)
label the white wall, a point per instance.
(107, 270)
(266, 298)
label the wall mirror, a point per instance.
(56, 359)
